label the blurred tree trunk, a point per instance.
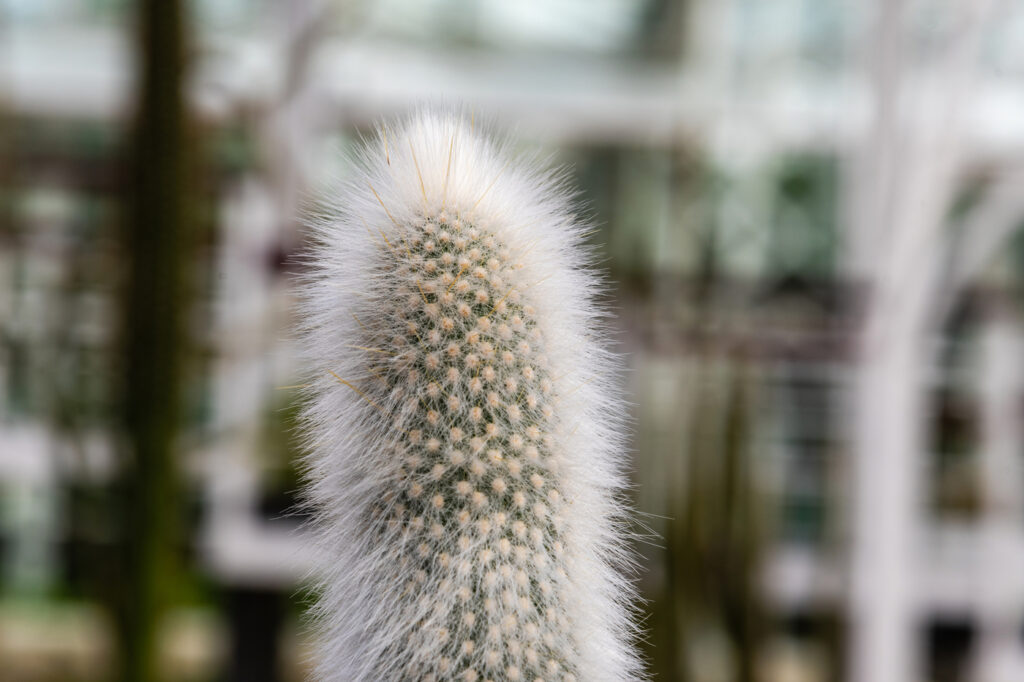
(153, 335)
(715, 541)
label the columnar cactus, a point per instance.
(465, 437)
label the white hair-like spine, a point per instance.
(465, 430)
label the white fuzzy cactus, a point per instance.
(465, 437)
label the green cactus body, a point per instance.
(465, 433)
(474, 516)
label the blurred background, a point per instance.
(808, 209)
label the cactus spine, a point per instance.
(464, 435)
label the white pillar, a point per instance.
(888, 404)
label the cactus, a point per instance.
(465, 435)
